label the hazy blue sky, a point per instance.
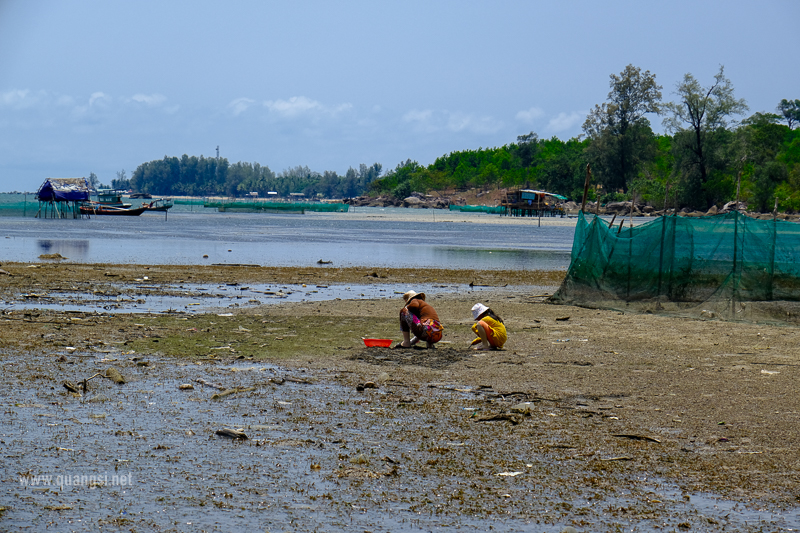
(100, 86)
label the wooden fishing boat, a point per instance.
(96, 208)
(161, 204)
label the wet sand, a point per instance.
(626, 421)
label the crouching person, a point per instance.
(489, 328)
(419, 318)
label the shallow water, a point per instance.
(402, 238)
(200, 298)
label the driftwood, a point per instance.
(296, 380)
(496, 418)
(201, 381)
(637, 437)
(228, 392)
(110, 373)
(231, 434)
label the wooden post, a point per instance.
(666, 196)
(586, 187)
(596, 204)
(738, 185)
(633, 199)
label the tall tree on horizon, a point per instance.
(790, 110)
(618, 128)
(699, 121)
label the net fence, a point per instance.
(729, 266)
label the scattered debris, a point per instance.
(523, 408)
(114, 375)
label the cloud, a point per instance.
(418, 116)
(296, 105)
(436, 121)
(564, 121)
(21, 98)
(529, 115)
(149, 99)
(301, 105)
(240, 105)
(99, 98)
(467, 122)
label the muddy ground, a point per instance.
(594, 419)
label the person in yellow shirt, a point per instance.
(489, 328)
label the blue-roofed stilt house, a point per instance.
(62, 197)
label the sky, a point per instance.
(104, 86)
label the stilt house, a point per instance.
(62, 197)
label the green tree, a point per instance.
(698, 120)
(790, 110)
(619, 131)
(527, 148)
(122, 182)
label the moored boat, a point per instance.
(161, 204)
(96, 208)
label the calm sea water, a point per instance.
(368, 237)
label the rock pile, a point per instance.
(416, 200)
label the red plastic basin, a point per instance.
(383, 343)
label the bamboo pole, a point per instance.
(586, 186)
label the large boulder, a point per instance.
(413, 201)
(617, 207)
(731, 206)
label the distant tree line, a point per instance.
(201, 176)
(701, 160)
(707, 157)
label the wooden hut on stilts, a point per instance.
(62, 197)
(533, 203)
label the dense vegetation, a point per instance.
(201, 176)
(705, 155)
(699, 162)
